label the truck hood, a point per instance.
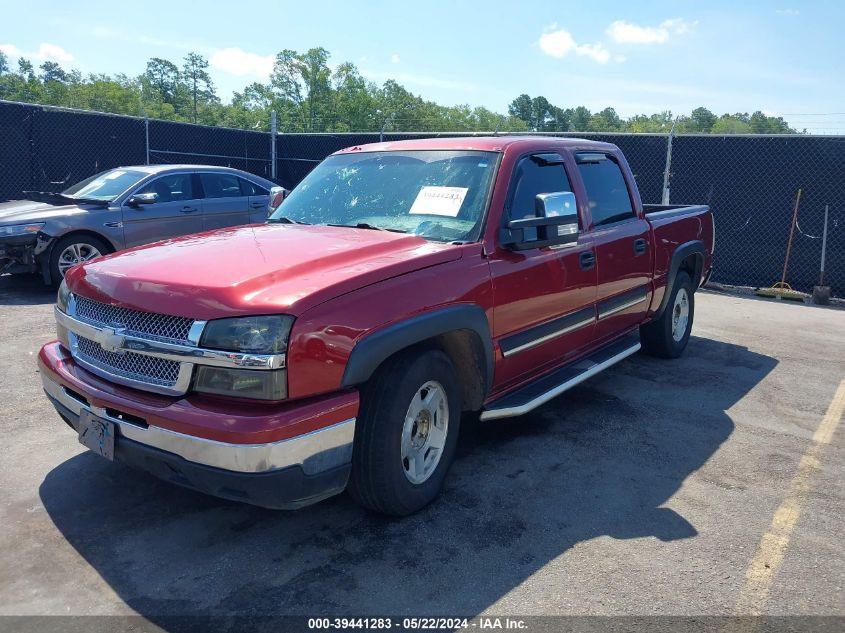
(26, 211)
(256, 269)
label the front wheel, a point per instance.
(72, 250)
(667, 336)
(406, 433)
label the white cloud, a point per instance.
(627, 33)
(425, 81)
(559, 43)
(787, 11)
(394, 58)
(45, 52)
(11, 50)
(239, 62)
(53, 52)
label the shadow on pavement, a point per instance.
(25, 290)
(600, 460)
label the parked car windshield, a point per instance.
(106, 185)
(439, 195)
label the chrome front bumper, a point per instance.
(314, 452)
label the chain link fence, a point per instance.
(43, 148)
(750, 182)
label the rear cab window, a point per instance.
(607, 192)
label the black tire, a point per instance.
(378, 480)
(656, 337)
(89, 241)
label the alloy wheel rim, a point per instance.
(680, 315)
(424, 432)
(75, 254)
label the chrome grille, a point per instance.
(147, 324)
(147, 369)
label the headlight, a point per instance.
(63, 297)
(253, 335)
(250, 335)
(21, 229)
(62, 301)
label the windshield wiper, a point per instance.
(372, 227)
(286, 220)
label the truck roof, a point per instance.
(483, 143)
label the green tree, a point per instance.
(730, 124)
(580, 119)
(605, 121)
(4, 63)
(301, 84)
(25, 69)
(51, 71)
(163, 80)
(198, 82)
(702, 120)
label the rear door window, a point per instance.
(249, 188)
(221, 185)
(607, 191)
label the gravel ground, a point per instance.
(646, 490)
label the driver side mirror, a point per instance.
(555, 224)
(142, 198)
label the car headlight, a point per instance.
(250, 335)
(62, 301)
(63, 298)
(13, 230)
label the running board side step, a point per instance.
(552, 385)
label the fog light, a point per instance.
(242, 383)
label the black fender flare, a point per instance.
(693, 247)
(372, 350)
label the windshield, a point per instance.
(105, 186)
(438, 195)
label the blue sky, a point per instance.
(784, 58)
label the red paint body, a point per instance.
(343, 284)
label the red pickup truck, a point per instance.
(398, 285)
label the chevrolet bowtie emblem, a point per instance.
(112, 341)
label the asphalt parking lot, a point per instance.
(710, 485)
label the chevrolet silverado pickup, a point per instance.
(399, 285)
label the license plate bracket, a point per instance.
(96, 434)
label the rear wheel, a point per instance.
(667, 336)
(406, 433)
(72, 250)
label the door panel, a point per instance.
(177, 211)
(624, 276)
(622, 245)
(224, 203)
(258, 208)
(545, 298)
(259, 198)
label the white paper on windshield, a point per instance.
(439, 201)
(113, 175)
